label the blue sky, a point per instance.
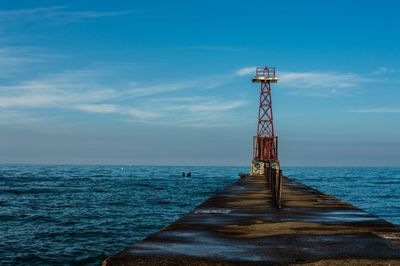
(169, 82)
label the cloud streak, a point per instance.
(16, 60)
(137, 90)
(96, 90)
(385, 70)
(100, 90)
(322, 84)
(322, 80)
(376, 110)
(245, 71)
(56, 14)
(315, 83)
(208, 106)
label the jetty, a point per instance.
(241, 225)
(268, 219)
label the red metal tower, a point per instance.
(265, 143)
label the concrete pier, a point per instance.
(240, 226)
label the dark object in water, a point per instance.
(189, 174)
(241, 175)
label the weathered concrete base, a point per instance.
(240, 226)
(257, 167)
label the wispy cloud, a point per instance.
(12, 55)
(97, 90)
(202, 112)
(138, 90)
(385, 70)
(100, 90)
(317, 83)
(324, 83)
(56, 14)
(59, 90)
(313, 83)
(15, 60)
(208, 82)
(322, 80)
(245, 71)
(376, 110)
(98, 108)
(136, 113)
(208, 106)
(205, 111)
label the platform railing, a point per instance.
(268, 72)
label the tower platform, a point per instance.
(240, 226)
(264, 79)
(265, 74)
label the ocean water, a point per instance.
(79, 215)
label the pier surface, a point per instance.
(240, 226)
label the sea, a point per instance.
(80, 215)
